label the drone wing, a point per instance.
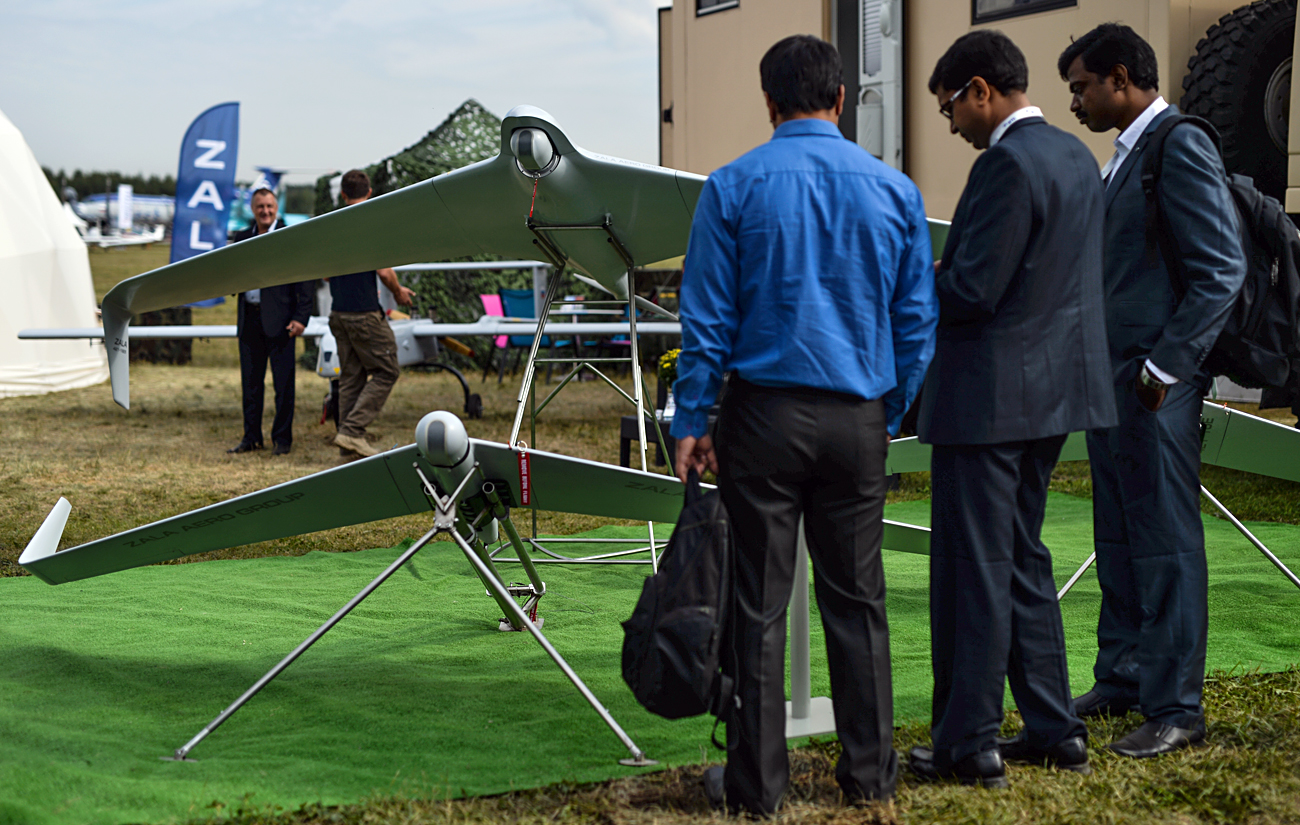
(362, 491)
(1241, 441)
(600, 214)
(1229, 438)
(380, 487)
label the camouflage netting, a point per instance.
(468, 135)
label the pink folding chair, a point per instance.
(492, 306)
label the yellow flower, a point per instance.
(668, 366)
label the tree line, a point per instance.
(97, 183)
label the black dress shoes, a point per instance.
(280, 449)
(984, 768)
(1093, 704)
(1157, 738)
(244, 447)
(1067, 755)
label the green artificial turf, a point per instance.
(1254, 610)
(415, 693)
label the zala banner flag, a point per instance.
(205, 185)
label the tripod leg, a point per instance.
(504, 604)
(1259, 545)
(1075, 577)
(530, 369)
(182, 752)
(638, 757)
(516, 542)
(638, 387)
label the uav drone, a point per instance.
(597, 215)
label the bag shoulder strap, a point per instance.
(1154, 159)
(1152, 168)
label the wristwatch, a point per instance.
(1151, 381)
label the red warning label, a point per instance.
(525, 480)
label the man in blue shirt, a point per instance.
(809, 278)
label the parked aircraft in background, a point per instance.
(91, 234)
(146, 209)
(93, 237)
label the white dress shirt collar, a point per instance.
(254, 296)
(1129, 137)
(1017, 115)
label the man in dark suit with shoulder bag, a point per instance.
(1020, 362)
(270, 319)
(1146, 470)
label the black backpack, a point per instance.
(1260, 343)
(677, 653)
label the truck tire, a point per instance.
(1240, 80)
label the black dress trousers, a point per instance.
(994, 617)
(1151, 635)
(256, 349)
(783, 453)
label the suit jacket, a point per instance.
(1021, 349)
(1144, 318)
(280, 304)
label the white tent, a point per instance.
(44, 280)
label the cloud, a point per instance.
(98, 85)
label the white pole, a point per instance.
(800, 644)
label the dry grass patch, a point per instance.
(168, 454)
(1246, 774)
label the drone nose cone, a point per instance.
(533, 149)
(524, 110)
(441, 439)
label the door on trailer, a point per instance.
(880, 79)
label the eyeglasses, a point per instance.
(945, 108)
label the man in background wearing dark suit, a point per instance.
(1146, 470)
(269, 319)
(1020, 363)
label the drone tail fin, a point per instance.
(46, 541)
(117, 323)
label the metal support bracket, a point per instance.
(805, 714)
(541, 237)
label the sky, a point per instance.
(322, 85)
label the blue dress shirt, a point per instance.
(809, 265)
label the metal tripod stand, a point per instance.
(449, 517)
(526, 403)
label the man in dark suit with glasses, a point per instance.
(1020, 362)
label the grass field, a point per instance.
(168, 455)
(1247, 776)
(416, 694)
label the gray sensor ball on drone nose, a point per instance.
(532, 148)
(441, 438)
